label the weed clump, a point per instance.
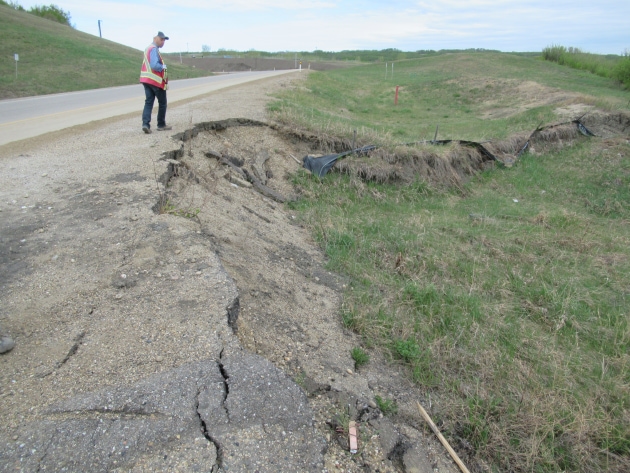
(359, 356)
(387, 406)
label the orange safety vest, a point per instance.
(148, 75)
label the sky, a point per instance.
(595, 26)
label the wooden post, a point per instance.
(442, 439)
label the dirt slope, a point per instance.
(101, 292)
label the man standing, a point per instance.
(154, 79)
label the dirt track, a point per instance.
(101, 291)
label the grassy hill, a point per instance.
(504, 293)
(55, 58)
(469, 95)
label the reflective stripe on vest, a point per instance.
(146, 73)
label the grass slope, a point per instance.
(507, 298)
(472, 96)
(55, 58)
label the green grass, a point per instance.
(525, 314)
(360, 356)
(515, 318)
(455, 92)
(54, 58)
(387, 406)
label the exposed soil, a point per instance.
(100, 291)
(71, 338)
(289, 304)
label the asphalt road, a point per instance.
(33, 116)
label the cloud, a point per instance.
(248, 5)
(280, 25)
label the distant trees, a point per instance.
(49, 12)
(205, 48)
(14, 5)
(52, 12)
(610, 66)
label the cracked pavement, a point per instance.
(126, 355)
(109, 302)
(190, 418)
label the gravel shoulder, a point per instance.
(209, 330)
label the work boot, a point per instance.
(165, 128)
(6, 343)
(146, 129)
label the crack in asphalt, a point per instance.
(232, 313)
(204, 426)
(41, 460)
(226, 386)
(104, 413)
(77, 341)
(206, 433)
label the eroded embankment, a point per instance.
(231, 177)
(441, 162)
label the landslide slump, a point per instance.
(244, 146)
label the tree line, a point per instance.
(610, 66)
(49, 12)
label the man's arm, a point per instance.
(154, 61)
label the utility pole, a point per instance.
(99, 29)
(17, 58)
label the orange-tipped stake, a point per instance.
(352, 436)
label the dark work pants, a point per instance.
(152, 92)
